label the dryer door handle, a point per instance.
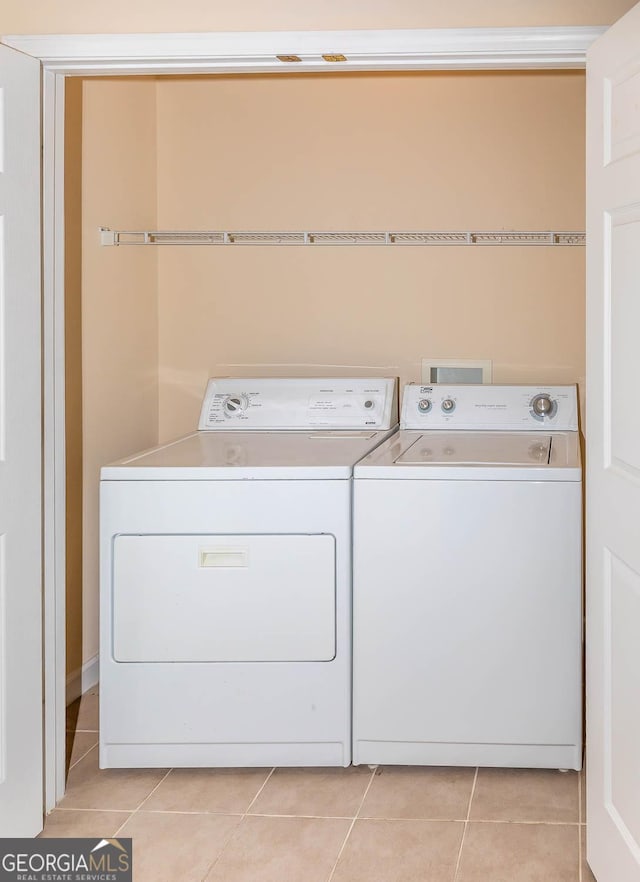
(224, 557)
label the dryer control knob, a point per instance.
(234, 404)
(448, 405)
(424, 405)
(543, 406)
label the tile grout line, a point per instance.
(233, 830)
(235, 814)
(64, 808)
(466, 824)
(305, 817)
(75, 762)
(260, 789)
(439, 820)
(148, 796)
(352, 824)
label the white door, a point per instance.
(613, 453)
(20, 448)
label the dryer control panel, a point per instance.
(495, 408)
(244, 404)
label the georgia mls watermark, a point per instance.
(65, 860)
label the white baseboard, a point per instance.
(82, 679)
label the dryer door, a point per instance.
(224, 598)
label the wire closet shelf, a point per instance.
(219, 237)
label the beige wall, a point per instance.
(73, 16)
(422, 151)
(73, 369)
(414, 151)
(119, 298)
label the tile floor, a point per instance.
(394, 824)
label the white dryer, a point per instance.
(468, 582)
(226, 579)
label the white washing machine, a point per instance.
(226, 579)
(468, 582)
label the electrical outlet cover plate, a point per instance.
(456, 370)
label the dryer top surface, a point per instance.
(204, 456)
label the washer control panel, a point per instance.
(490, 407)
(239, 404)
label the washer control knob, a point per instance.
(234, 404)
(448, 405)
(543, 406)
(369, 404)
(424, 405)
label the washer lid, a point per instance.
(474, 456)
(478, 448)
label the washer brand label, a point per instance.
(66, 860)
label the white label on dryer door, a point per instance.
(217, 598)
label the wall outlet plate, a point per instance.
(457, 370)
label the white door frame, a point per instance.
(207, 53)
